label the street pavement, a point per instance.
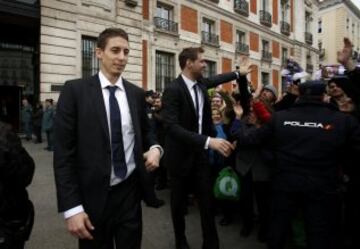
(49, 228)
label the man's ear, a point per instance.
(189, 63)
(98, 52)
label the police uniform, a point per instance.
(310, 140)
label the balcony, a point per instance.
(309, 68)
(266, 56)
(285, 28)
(214, 1)
(209, 39)
(322, 53)
(265, 18)
(166, 25)
(242, 48)
(241, 7)
(308, 38)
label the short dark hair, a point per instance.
(110, 33)
(189, 54)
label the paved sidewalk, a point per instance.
(49, 229)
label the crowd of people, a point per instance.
(298, 186)
(114, 144)
(38, 120)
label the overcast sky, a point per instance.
(356, 2)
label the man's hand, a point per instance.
(244, 65)
(152, 159)
(345, 55)
(222, 146)
(79, 226)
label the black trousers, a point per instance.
(201, 181)
(260, 191)
(352, 213)
(121, 224)
(321, 209)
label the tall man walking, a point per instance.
(101, 131)
(188, 126)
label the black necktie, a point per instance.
(196, 100)
(117, 145)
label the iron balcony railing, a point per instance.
(309, 68)
(285, 28)
(308, 38)
(266, 56)
(209, 38)
(242, 48)
(265, 18)
(166, 25)
(241, 7)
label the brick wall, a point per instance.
(275, 49)
(275, 11)
(227, 67)
(292, 15)
(145, 9)
(253, 7)
(226, 32)
(254, 77)
(275, 79)
(189, 20)
(254, 42)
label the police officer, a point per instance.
(309, 141)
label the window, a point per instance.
(208, 35)
(284, 55)
(320, 26)
(90, 64)
(347, 23)
(164, 17)
(210, 69)
(240, 37)
(264, 4)
(208, 26)
(265, 46)
(165, 70)
(265, 78)
(164, 11)
(285, 10)
(308, 20)
(353, 28)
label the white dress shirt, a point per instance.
(201, 98)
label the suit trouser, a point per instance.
(321, 209)
(120, 226)
(200, 178)
(259, 190)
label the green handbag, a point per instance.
(227, 185)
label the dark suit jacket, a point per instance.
(82, 156)
(183, 142)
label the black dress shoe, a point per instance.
(182, 244)
(155, 203)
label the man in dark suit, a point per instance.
(101, 131)
(188, 126)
